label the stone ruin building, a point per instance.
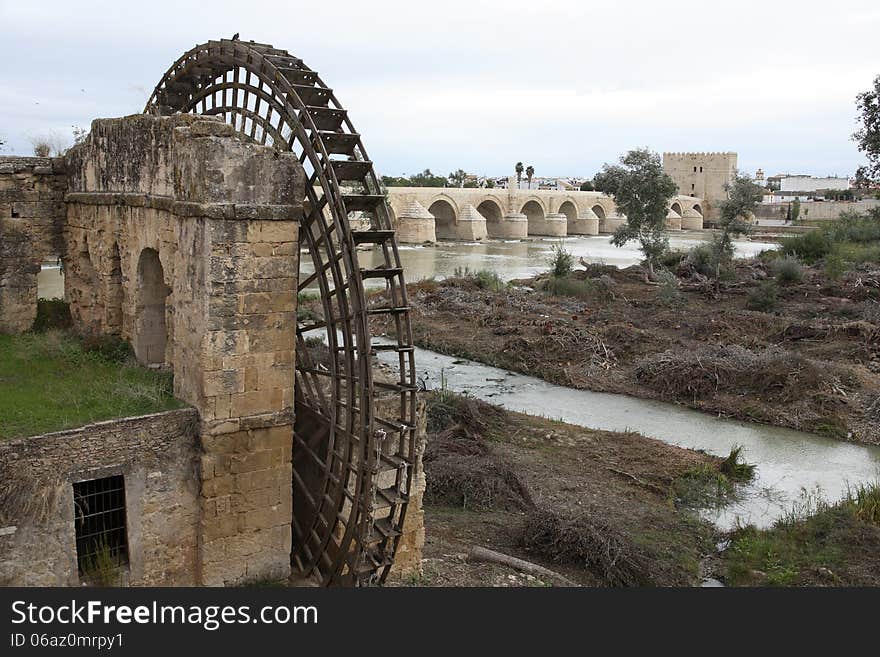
(190, 231)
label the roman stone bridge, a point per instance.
(427, 214)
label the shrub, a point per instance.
(561, 262)
(701, 259)
(788, 270)
(110, 347)
(809, 247)
(590, 289)
(764, 297)
(484, 279)
(668, 293)
(52, 314)
(834, 266)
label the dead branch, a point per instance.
(481, 554)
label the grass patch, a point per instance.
(854, 238)
(764, 298)
(707, 485)
(586, 289)
(484, 279)
(816, 543)
(788, 270)
(51, 381)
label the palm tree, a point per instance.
(530, 171)
(519, 172)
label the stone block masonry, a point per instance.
(188, 234)
(158, 456)
(31, 219)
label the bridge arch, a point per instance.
(599, 211)
(534, 212)
(491, 209)
(676, 207)
(569, 209)
(698, 209)
(445, 217)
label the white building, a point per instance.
(811, 184)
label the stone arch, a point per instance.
(569, 209)
(676, 207)
(445, 217)
(599, 211)
(114, 292)
(534, 212)
(490, 209)
(150, 334)
(698, 208)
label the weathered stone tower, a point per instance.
(702, 175)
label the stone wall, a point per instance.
(158, 457)
(31, 218)
(182, 236)
(816, 210)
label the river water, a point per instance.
(788, 462)
(509, 259)
(523, 259)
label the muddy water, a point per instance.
(513, 259)
(788, 461)
(522, 259)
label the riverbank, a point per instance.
(600, 508)
(604, 508)
(801, 353)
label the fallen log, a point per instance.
(481, 554)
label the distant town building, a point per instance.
(803, 183)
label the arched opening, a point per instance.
(599, 212)
(535, 214)
(571, 214)
(675, 207)
(698, 209)
(492, 212)
(113, 304)
(445, 219)
(150, 333)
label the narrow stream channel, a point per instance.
(788, 461)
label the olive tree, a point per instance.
(868, 136)
(641, 190)
(736, 211)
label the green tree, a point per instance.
(743, 197)
(519, 172)
(457, 177)
(795, 209)
(427, 179)
(868, 136)
(641, 190)
(530, 171)
(587, 186)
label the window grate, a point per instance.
(99, 519)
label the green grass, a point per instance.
(708, 485)
(814, 543)
(49, 382)
(853, 238)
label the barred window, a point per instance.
(99, 518)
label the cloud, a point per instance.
(567, 85)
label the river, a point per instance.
(788, 462)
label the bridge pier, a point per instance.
(415, 225)
(610, 224)
(586, 224)
(552, 225)
(471, 225)
(691, 220)
(513, 226)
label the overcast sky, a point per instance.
(564, 86)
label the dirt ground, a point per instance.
(811, 363)
(608, 480)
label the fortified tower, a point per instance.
(703, 175)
